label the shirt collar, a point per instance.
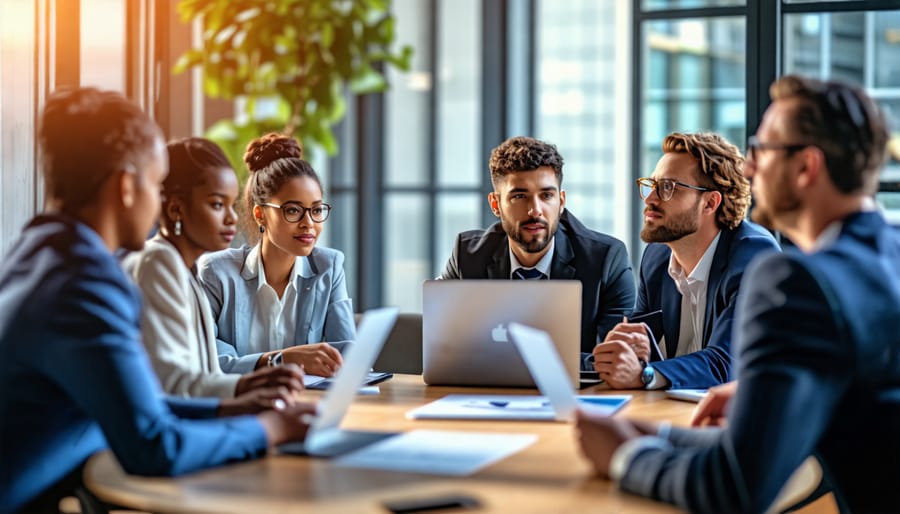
(543, 265)
(254, 265)
(831, 233)
(700, 273)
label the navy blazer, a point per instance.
(599, 261)
(75, 376)
(818, 360)
(657, 291)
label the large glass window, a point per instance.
(432, 176)
(20, 189)
(859, 47)
(688, 4)
(103, 44)
(694, 80)
(577, 108)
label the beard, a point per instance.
(782, 201)
(538, 243)
(678, 226)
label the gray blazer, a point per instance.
(324, 310)
(177, 326)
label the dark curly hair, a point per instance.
(87, 134)
(524, 154)
(190, 159)
(721, 168)
(272, 160)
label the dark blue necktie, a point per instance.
(528, 274)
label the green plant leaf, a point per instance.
(368, 81)
(186, 60)
(307, 53)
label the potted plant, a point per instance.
(297, 58)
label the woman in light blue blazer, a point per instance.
(283, 299)
(177, 326)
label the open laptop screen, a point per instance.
(464, 329)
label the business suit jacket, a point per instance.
(324, 309)
(75, 377)
(177, 325)
(819, 369)
(599, 261)
(657, 291)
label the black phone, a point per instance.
(430, 503)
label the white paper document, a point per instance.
(688, 395)
(509, 407)
(437, 452)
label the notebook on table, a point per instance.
(465, 323)
(558, 402)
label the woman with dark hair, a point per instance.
(283, 299)
(74, 377)
(177, 325)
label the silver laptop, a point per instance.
(325, 438)
(464, 329)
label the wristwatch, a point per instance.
(648, 374)
(275, 359)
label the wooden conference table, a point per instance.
(548, 476)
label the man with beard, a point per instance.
(818, 359)
(537, 238)
(695, 205)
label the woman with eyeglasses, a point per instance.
(177, 326)
(284, 299)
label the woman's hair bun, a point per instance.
(262, 151)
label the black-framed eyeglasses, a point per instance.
(665, 187)
(754, 146)
(294, 212)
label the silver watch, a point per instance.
(275, 359)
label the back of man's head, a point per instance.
(85, 135)
(524, 154)
(721, 167)
(841, 120)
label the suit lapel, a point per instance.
(244, 303)
(560, 267)
(671, 308)
(205, 325)
(305, 282)
(498, 267)
(716, 272)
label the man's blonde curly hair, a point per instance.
(721, 167)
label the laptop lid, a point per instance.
(546, 367)
(372, 332)
(464, 329)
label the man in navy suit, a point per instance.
(695, 205)
(816, 329)
(537, 238)
(74, 375)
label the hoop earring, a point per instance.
(177, 227)
(262, 229)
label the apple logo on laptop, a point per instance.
(498, 334)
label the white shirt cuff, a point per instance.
(624, 454)
(659, 381)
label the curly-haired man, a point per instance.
(537, 237)
(694, 209)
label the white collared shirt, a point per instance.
(543, 265)
(273, 323)
(693, 299)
